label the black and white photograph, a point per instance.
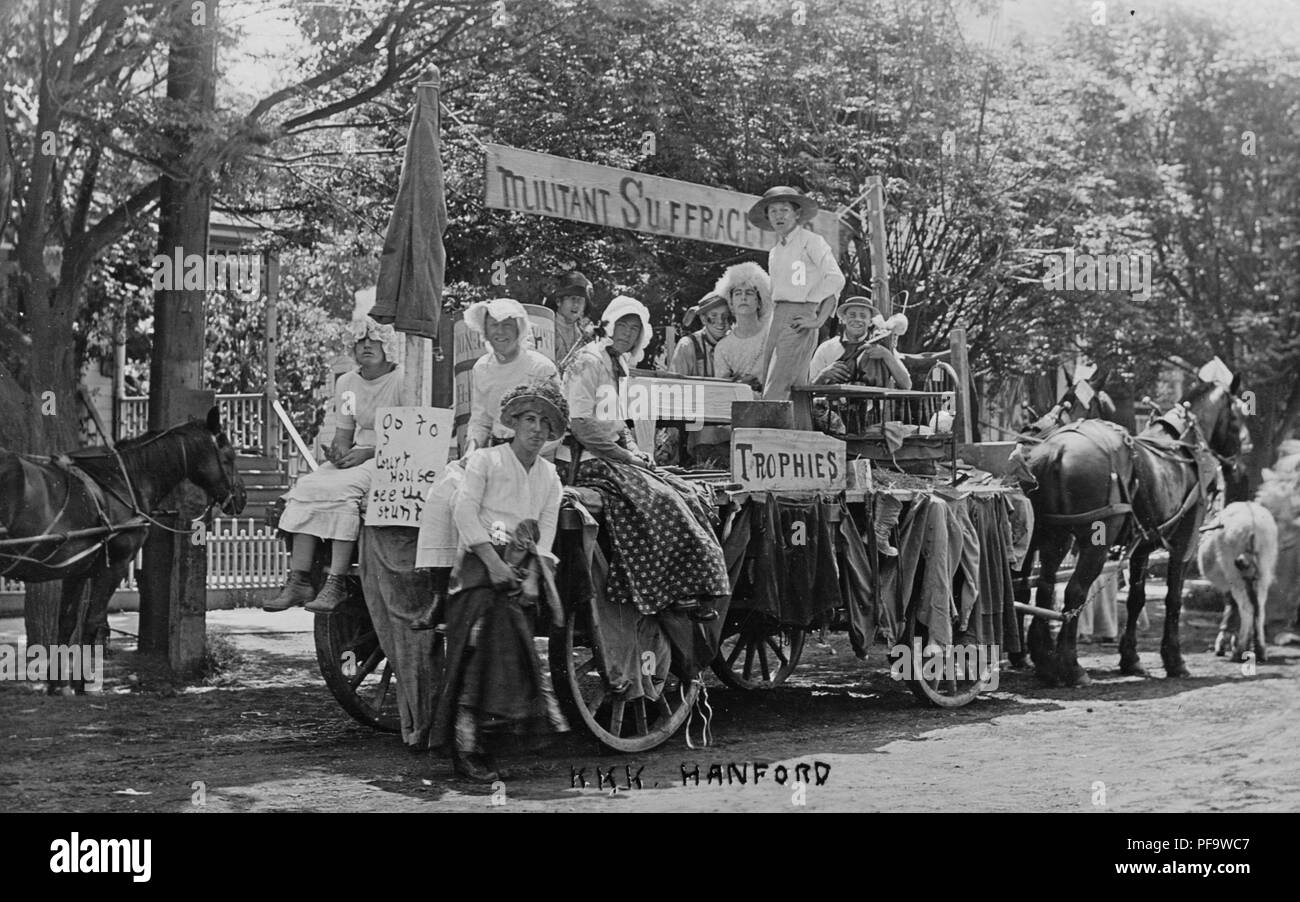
(651, 406)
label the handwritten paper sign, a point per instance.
(544, 185)
(787, 460)
(410, 453)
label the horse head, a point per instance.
(1220, 415)
(217, 473)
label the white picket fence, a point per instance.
(242, 554)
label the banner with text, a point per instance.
(410, 453)
(523, 181)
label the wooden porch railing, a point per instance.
(245, 417)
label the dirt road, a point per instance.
(266, 735)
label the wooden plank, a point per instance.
(681, 398)
(523, 181)
(876, 239)
(786, 459)
(961, 426)
(762, 414)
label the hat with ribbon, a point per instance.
(857, 301)
(543, 396)
(805, 207)
(707, 304)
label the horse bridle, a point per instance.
(134, 503)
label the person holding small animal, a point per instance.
(861, 355)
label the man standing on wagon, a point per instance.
(806, 281)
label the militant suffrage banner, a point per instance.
(526, 182)
(410, 453)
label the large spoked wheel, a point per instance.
(951, 681)
(625, 725)
(756, 652)
(354, 666)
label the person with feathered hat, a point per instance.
(806, 281)
(326, 505)
(508, 362)
(506, 512)
(739, 355)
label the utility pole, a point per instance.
(173, 590)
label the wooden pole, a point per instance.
(876, 238)
(173, 590)
(271, 260)
(961, 427)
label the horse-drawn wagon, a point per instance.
(799, 561)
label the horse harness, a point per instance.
(1124, 491)
(95, 491)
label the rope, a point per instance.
(706, 714)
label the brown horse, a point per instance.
(1099, 486)
(110, 495)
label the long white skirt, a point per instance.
(327, 503)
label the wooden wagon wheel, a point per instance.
(634, 725)
(354, 666)
(952, 689)
(755, 652)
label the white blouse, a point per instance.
(490, 380)
(357, 399)
(497, 494)
(735, 357)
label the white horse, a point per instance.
(1238, 555)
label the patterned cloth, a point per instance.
(665, 550)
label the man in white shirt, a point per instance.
(843, 360)
(806, 280)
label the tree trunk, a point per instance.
(172, 601)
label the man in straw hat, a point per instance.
(506, 511)
(806, 280)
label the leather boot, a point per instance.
(474, 768)
(332, 594)
(888, 509)
(297, 591)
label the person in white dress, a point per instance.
(507, 363)
(326, 505)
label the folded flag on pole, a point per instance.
(412, 267)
